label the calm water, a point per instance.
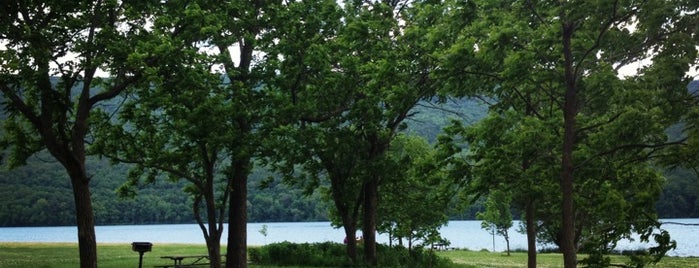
(461, 234)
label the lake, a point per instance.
(461, 234)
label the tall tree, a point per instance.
(307, 146)
(240, 30)
(177, 127)
(571, 52)
(352, 90)
(52, 52)
(529, 145)
(198, 118)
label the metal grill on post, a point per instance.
(141, 247)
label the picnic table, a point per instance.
(192, 261)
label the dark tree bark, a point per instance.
(371, 193)
(84, 217)
(570, 111)
(211, 229)
(350, 228)
(236, 254)
(530, 214)
(348, 217)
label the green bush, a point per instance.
(330, 254)
(289, 254)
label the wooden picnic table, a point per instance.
(196, 260)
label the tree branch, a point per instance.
(654, 147)
(18, 103)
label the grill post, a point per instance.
(141, 247)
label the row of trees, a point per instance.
(320, 92)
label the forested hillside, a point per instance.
(39, 194)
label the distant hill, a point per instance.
(430, 117)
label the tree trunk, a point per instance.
(567, 208)
(213, 240)
(340, 199)
(213, 243)
(530, 211)
(506, 235)
(85, 219)
(570, 111)
(369, 226)
(74, 163)
(350, 237)
(237, 252)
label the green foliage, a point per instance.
(158, 203)
(278, 202)
(350, 96)
(70, 41)
(415, 194)
(497, 217)
(289, 254)
(554, 69)
(24, 186)
(330, 254)
(679, 198)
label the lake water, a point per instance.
(461, 234)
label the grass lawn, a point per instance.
(59, 255)
(479, 259)
(65, 255)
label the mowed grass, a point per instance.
(59, 255)
(464, 258)
(65, 255)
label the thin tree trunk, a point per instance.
(507, 241)
(531, 234)
(237, 252)
(369, 227)
(213, 241)
(566, 181)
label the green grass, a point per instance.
(463, 258)
(58, 255)
(65, 255)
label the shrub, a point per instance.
(330, 254)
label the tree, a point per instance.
(51, 56)
(198, 118)
(528, 144)
(497, 218)
(178, 127)
(571, 53)
(415, 193)
(352, 90)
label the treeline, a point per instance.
(39, 194)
